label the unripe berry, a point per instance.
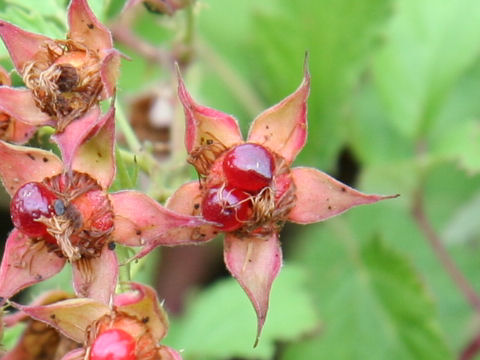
(113, 344)
(249, 167)
(227, 206)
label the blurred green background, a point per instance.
(394, 108)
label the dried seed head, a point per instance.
(65, 80)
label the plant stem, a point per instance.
(125, 128)
(124, 35)
(471, 349)
(124, 274)
(240, 88)
(441, 252)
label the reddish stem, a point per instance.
(441, 252)
(472, 349)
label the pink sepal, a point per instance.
(70, 317)
(255, 263)
(97, 277)
(21, 164)
(74, 135)
(205, 124)
(49, 297)
(20, 132)
(141, 221)
(167, 353)
(142, 303)
(319, 196)
(22, 45)
(84, 27)
(25, 263)
(283, 127)
(20, 105)
(77, 354)
(110, 71)
(87, 145)
(186, 200)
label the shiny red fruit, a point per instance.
(227, 206)
(32, 201)
(249, 167)
(113, 344)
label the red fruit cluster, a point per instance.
(248, 169)
(113, 344)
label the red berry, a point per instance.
(113, 344)
(227, 206)
(248, 167)
(30, 202)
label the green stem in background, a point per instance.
(124, 126)
(124, 270)
(426, 227)
(441, 252)
(190, 25)
(138, 156)
(240, 88)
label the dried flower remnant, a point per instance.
(39, 341)
(11, 129)
(65, 78)
(250, 189)
(62, 211)
(130, 330)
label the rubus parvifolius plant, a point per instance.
(250, 190)
(62, 211)
(65, 78)
(129, 329)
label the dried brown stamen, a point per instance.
(65, 80)
(77, 234)
(203, 156)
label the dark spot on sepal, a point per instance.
(111, 245)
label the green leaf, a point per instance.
(456, 133)
(339, 34)
(374, 140)
(463, 226)
(448, 192)
(265, 64)
(428, 47)
(11, 336)
(220, 322)
(374, 304)
(48, 19)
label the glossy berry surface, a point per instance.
(113, 344)
(227, 206)
(32, 201)
(249, 167)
